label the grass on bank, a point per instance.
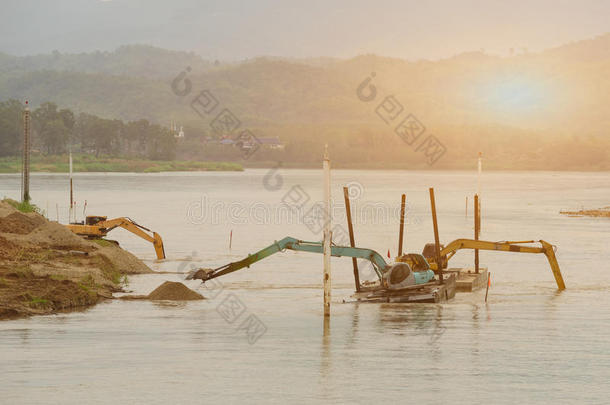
(90, 163)
(24, 206)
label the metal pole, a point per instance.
(327, 233)
(26, 154)
(352, 242)
(402, 224)
(476, 232)
(439, 265)
(70, 214)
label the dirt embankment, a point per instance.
(45, 268)
(598, 213)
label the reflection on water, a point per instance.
(528, 344)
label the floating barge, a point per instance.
(432, 292)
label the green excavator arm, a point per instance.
(379, 264)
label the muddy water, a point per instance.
(529, 344)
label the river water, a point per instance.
(528, 344)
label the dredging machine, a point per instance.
(413, 277)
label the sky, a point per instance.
(236, 30)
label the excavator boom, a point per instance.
(546, 248)
(379, 264)
(98, 227)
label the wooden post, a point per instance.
(476, 232)
(402, 224)
(25, 174)
(437, 249)
(352, 241)
(327, 233)
(230, 240)
(488, 282)
(466, 206)
(480, 172)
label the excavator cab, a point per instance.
(92, 220)
(416, 261)
(429, 253)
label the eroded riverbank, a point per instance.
(45, 268)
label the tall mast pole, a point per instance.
(25, 174)
(71, 191)
(327, 233)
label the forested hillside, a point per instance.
(530, 111)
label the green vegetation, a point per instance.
(22, 271)
(89, 163)
(109, 270)
(103, 242)
(87, 283)
(24, 206)
(37, 302)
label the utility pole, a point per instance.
(25, 173)
(71, 192)
(327, 233)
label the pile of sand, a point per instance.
(174, 291)
(32, 231)
(20, 223)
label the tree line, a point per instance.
(56, 131)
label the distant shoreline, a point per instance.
(90, 163)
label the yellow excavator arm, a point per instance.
(98, 227)
(506, 246)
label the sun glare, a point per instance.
(514, 95)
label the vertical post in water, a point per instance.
(439, 264)
(352, 241)
(402, 224)
(25, 174)
(479, 173)
(488, 283)
(477, 226)
(327, 232)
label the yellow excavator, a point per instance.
(96, 227)
(505, 246)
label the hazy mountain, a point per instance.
(562, 92)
